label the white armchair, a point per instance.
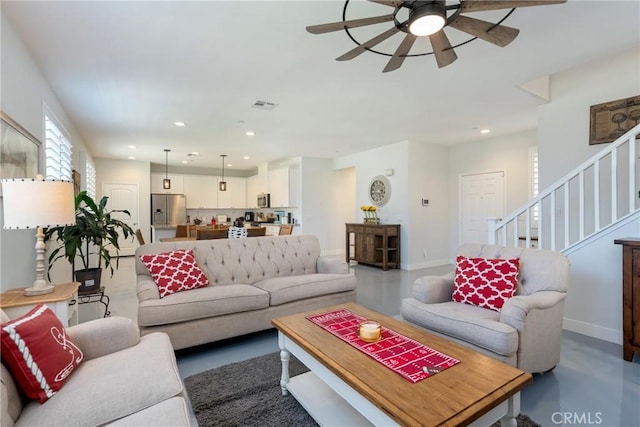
(526, 333)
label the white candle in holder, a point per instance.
(369, 330)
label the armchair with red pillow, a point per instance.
(505, 302)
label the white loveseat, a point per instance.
(124, 380)
(526, 333)
(251, 281)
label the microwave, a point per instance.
(264, 200)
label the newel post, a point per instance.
(492, 224)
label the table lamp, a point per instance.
(36, 203)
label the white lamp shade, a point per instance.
(32, 203)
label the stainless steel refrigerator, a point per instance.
(168, 209)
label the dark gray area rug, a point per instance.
(248, 394)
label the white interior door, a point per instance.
(482, 197)
(124, 197)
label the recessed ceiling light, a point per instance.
(250, 133)
(229, 165)
(246, 157)
(485, 131)
(131, 158)
(185, 161)
(132, 146)
(180, 124)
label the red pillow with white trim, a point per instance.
(175, 271)
(38, 352)
(484, 282)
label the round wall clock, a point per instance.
(379, 190)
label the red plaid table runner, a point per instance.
(407, 357)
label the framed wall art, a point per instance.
(19, 150)
(611, 120)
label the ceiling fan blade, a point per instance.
(392, 3)
(398, 57)
(337, 26)
(500, 35)
(367, 45)
(442, 50)
(482, 5)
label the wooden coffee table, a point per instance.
(347, 387)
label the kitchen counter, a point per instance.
(161, 231)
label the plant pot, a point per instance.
(89, 280)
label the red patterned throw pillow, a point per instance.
(38, 352)
(175, 271)
(487, 283)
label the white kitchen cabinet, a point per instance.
(284, 186)
(201, 191)
(236, 195)
(253, 189)
(177, 183)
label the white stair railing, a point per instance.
(578, 205)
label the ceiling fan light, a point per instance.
(426, 25)
(427, 19)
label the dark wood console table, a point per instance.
(630, 296)
(373, 244)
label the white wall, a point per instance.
(428, 179)
(594, 301)
(507, 153)
(327, 202)
(24, 93)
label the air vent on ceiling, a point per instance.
(264, 105)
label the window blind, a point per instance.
(91, 179)
(57, 152)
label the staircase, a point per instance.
(578, 206)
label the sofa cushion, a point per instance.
(479, 326)
(487, 283)
(11, 399)
(293, 288)
(201, 303)
(174, 271)
(38, 352)
(111, 387)
(170, 412)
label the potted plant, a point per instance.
(94, 234)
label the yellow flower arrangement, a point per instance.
(369, 213)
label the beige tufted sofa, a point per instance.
(251, 281)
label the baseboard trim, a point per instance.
(592, 330)
(425, 264)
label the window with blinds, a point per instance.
(533, 181)
(57, 151)
(90, 173)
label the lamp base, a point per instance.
(38, 290)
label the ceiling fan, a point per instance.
(428, 19)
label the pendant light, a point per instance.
(166, 182)
(223, 184)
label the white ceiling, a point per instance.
(126, 71)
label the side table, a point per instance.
(96, 296)
(61, 301)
